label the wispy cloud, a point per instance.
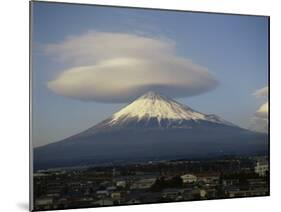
(263, 92)
(117, 67)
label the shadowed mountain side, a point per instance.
(130, 145)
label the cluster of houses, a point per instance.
(53, 191)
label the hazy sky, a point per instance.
(80, 55)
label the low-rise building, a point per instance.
(203, 193)
(247, 193)
(143, 183)
(188, 178)
(102, 193)
(261, 167)
(121, 183)
(116, 195)
(111, 188)
(208, 177)
(104, 202)
(44, 202)
(172, 193)
(230, 182)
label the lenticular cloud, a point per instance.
(118, 67)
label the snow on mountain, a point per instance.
(153, 127)
(155, 106)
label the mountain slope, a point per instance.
(151, 127)
(153, 110)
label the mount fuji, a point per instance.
(153, 127)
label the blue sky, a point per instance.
(233, 48)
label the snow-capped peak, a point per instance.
(156, 106)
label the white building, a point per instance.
(261, 168)
(188, 178)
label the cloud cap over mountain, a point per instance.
(118, 67)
